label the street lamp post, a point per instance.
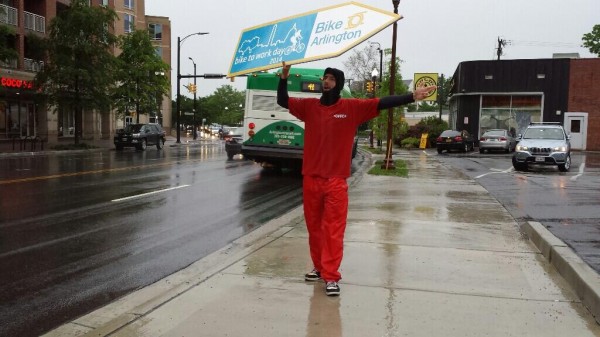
(194, 134)
(380, 80)
(374, 75)
(178, 112)
(380, 59)
(388, 163)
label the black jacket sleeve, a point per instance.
(394, 101)
(282, 94)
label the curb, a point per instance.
(579, 275)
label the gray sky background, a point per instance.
(434, 36)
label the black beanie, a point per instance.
(339, 78)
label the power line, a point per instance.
(543, 44)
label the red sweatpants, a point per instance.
(325, 212)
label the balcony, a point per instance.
(8, 15)
(12, 64)
(32, 65)
(35, 22)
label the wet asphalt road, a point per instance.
(568, 204)
(78, 231)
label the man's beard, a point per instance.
(330, 97)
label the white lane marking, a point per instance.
(149, 193)
(495, 171)
(581, 169)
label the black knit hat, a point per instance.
(339, 77)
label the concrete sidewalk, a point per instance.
(429, 255)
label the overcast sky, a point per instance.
(434, 36)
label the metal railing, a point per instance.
(35, 22)
(9, 15)
(10, 64)
(32, 65)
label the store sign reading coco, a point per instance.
(320, 34)
(15, 83)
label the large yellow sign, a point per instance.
(424, 80)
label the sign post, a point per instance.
(324, 33)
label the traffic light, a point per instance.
(369, 86)
(191, 87)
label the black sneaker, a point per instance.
(312, 276)
(332, 289)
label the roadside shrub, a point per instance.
(410, 143)
(433, 126)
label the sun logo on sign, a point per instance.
(426, 81)
(356, 20)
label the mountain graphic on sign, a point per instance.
(294, 35)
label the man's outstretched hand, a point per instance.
(422, 92)
(285, 71)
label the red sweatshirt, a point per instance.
(329, 133)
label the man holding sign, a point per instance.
(330, 125)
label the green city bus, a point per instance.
(272, 136)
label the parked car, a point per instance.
(140, 136)
(233, 142)
(497, 139)
(543, 144)
(455, 140)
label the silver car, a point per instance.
(497, 139)
(543, 144)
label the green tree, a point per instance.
(7, 34)
(224, 106)
(140, 75)
(591, 40)
(79, 72)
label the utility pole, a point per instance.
(501, 43)
(388, 162)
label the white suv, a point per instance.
(544, 144)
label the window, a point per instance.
(66, 123)
(576, 126)
(129, 22)
(159, 52)
(511, 113)
(128, 4)
(155, 30)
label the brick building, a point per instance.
(510, 94)
(20, 116)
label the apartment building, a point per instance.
(20, 114)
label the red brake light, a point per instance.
(251, 133)
(251, 125)
(439, 139)
(458, 138)
(502, 138)
(482, 138)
